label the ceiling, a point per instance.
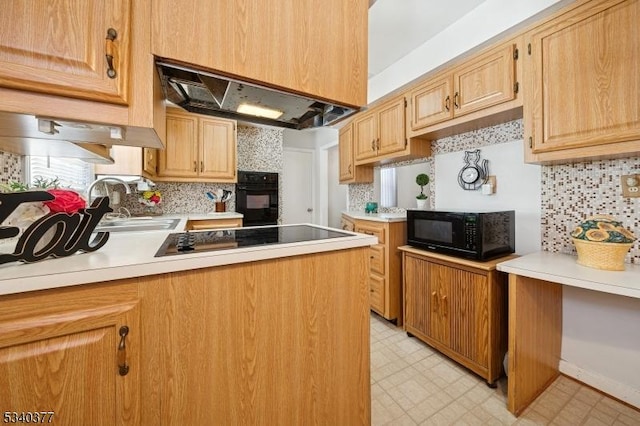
(396, 27)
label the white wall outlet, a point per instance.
(489, 187)
(630, 185)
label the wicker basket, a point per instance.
(607, 256)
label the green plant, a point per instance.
(422, 180)
(38, 182)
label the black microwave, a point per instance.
(473, 235)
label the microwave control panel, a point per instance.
(470, 231)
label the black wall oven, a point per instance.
(257, 198)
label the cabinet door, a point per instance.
(365, 134)
(431, 103)
(150, 161)
(391, 128)
(180, 156)
(345, 146)
(127, 160)
(582, 78)
(377, 293)
(217, 150)
(63, 356)
(59, 47)
(439, 279)
(417, 296)
(468, 316)
(486, 81)
(347, 224)
(285, 44)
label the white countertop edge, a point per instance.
(563, 269)
(166, 264)
(377, 217)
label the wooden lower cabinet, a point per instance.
(281, 341)
(385, 266)
(459, 307)
(60, 352)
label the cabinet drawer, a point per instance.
(376, 259)
(376, 295)
(378, 231)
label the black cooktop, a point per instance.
(200, 241)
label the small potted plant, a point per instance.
(422, 180)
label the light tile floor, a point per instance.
(413, 384)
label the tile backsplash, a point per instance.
(573, 192)
(10, 167)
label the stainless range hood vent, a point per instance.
(205, 93)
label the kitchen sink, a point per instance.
(136, 225)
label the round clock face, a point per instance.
(470, 175)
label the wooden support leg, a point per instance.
(535, 337)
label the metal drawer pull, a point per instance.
(109, 47)
(123, 368)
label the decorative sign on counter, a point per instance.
(70, 232)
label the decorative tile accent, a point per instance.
(10, 167)
(572, 192)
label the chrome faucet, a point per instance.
(104, 181)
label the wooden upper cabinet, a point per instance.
(217, 149)
(485, 81)
(479, 83)
(431, 103)
(582, 83)
(180, 156)
(61, 47)
(348, 171)
(63, 354)
(314, 47)
(199, 149)
(391, 127)
(365, 131)
(149, 161)
(380, 132)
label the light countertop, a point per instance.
(377, 217)
(563, 269)
(131, 254)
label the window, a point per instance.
(71, 172)
(388, 187)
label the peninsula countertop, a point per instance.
(377, 217)
(132, 254)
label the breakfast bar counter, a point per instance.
(536, 284)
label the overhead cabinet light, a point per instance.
(259, 111)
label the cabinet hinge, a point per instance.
(529, 48)
(515, 54)
(516, 87)
(530, 142)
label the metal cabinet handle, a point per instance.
(349, 169)
(202, 166)
(123, 368)
(447, 103)
(378, 144)
(373, 145)
(195, 166)
(109, 49)
(455, 100)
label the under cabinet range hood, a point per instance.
(206, 93)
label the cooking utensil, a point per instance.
(211, 196)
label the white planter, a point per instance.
(422, 204)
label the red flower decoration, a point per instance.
(66, 201)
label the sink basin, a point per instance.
(133, 225)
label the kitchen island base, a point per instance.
(277, 341)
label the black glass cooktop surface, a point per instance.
(201, 241)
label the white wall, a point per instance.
(518, 188)
(336, 193)
(485, 22)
